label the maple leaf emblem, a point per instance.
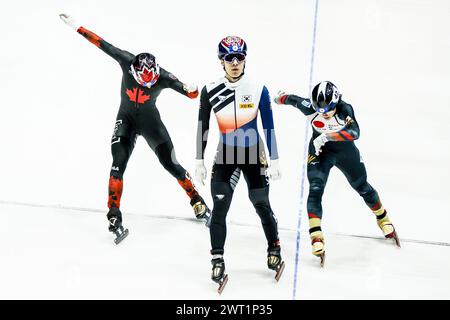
(136, 93)
(146, 74)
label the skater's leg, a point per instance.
(158, 139)
(258, 192)
(222, 194)
(122, 144)
(260, 200)
(166, 155)
(356, 174)
(121, 152)
(318, 170)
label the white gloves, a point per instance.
(189, 88)
(69, 21)
(319, 142)
(273, 171)
(200, 171)
(280, 97)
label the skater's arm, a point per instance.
(351, 130)
(188, 90)
(203, 123)
(119, 55)
(116, 53)
(304, 105)
(267, 121)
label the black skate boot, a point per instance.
(115, 224)
(274, 261)
(201, 210)
(218, 272)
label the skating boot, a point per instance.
(388, 228)
(274, 261)
(115, 224)
(318, 249)
(218, 272)
(201, 210)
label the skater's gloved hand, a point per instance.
(319, 142)
(280, 97)
(273, 171)
(69, 21)
(191, 90)
(200, 171)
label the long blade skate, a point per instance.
(390, 233)
(207, 218)
(121, 234)
(279, 271)
(322, 259)
(222, 282)
(394, 237)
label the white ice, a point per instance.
(60, 96)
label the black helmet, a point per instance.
(324, 97)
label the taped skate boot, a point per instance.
(318, 249)
(274, 261)
(201, 210)
(115, 225)
(218, 272)
(388, 228)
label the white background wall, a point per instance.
(60, 97)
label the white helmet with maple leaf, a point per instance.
(145, 70)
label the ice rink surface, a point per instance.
(60, 97)
(68, 254)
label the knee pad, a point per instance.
(116, 173)
(364, 188)
(221, 192)
(259, 196)
(316, 187)
(222, 195)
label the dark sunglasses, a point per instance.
(230, 57)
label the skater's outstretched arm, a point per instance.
(304, 105)
(172, 82)
(351, 130)
(117, 54)
(267, 122)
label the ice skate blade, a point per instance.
(279, 270)
(204, 218)
(393, 236)
(120, 236)
(208, 221)
(222, 284)
(322, 258)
